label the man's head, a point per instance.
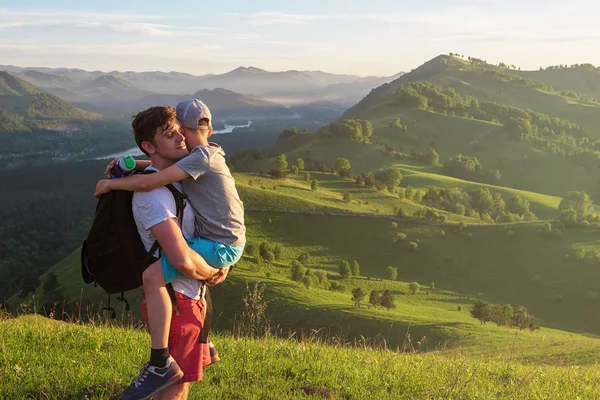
(196, 121)
(157, 133)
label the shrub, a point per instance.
(413, 247)
(391, 273)
(414, 287)
(459, 308)
(395, 225)
(314, 185)
(442, 233)
(346, 197)
(399, 237)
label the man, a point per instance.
(157, 134)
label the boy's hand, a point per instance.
(110, 166)
(102, 187)
(219, 277)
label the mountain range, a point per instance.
(287, 87)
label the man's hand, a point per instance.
(219, 277)
(102, 187)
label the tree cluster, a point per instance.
(577, 210)
(503, 315)
(357, 130)
(479, 203)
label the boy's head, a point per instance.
(157, 132)
(195, 118)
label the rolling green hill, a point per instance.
(577, 78)
(36, 107)
(470, 108)
(501, 264)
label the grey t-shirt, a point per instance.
(212, 193)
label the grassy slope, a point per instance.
(492, 266)
(487, 88)
(106, 358)
(576, 79)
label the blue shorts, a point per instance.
(217, 255)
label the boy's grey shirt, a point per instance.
(211, 190)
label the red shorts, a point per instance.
(184, 334)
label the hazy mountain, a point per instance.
(26, 105)
(243, 80)
(224, 104)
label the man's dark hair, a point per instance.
(145, 123)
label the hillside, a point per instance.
(583, 78)
(34, 105)
(269, 368)
(512, 263)
(473, 109)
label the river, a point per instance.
(135, 151)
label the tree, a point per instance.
(294, 169)
(482, 311)
(358, 295)
(304, 258)
(314, 185)
(342, 167)
(391, 273)
(414, 287)
(307, 281)
(517, 205)
(277, 251)
(298, 271)
(390, 177)
(344, 269)
(375, 298)
(387, 299)
(355, 268)
(413, 247)
(521, 318)
(300, 164)
(280, 163)
(279, 167)
(578, 201)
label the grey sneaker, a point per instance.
(152, 380)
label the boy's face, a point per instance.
(169, 142)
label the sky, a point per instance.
(373, 37)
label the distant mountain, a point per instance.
(224, 104)
(345, 93)
(289, 87)
(107, 88)
(33, 104)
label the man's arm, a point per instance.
(187, 261)
(141, 183)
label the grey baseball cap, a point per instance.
(189, 112)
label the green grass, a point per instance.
(97, 362)
(525, 269)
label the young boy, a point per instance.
(220, 233)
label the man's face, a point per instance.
(169, 142)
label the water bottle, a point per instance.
(123, 167)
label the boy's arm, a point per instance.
(140, 166)
(140, 182)
(187, 261)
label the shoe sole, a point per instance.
(170, 382)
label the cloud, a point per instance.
(276, 17)
(143, 24)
